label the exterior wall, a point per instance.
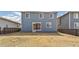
(58, 23)
(19, 25)
(64, 22)
(34, 17)
(71, 29)
(3, 24)
(73, 20)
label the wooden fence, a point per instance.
(9, 30)
(70, 31)
(0, 30)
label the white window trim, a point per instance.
(51, 17)
(75, 16)
(76, 23)
(50, 25)
(29, 15)
(42, 16)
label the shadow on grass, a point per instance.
(32, 34)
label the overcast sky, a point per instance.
(11, 6)
(35, 5)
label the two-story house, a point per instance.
(38, 21)
(69, 20)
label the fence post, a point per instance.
(76, 32)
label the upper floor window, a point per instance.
(41, 15)
(48, 24)
(51, 16)
(75, 15)
(27, 15)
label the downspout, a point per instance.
(69, 21)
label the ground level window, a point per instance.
(36, 26)
(76, 25)
(48, 25)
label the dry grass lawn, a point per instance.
(21, 39)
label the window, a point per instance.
(75, 15)
(76, 25)
(51, 16)
(41, 15)
(36, 26)
(27, 15)
(48, 24)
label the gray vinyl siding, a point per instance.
(73, 20)
(34, 17)
(64, 22)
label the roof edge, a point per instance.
(63, 15)
(39, 11)
(9, 20)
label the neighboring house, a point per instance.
(36, 21)
(69, 20)
(6, 23)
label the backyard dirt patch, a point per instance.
(21, 39)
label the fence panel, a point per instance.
(0, 30)
(70, 31)
(9, 30)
